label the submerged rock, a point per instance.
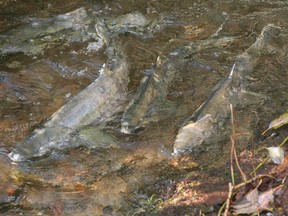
(231, 90)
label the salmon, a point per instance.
(151, 91)
(95, 104)
(211, 117)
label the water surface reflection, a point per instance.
(201, 39)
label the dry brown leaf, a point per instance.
(265, 198)
(281, 171)
(248, 204)
(255, 202)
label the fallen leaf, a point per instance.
(278, 122)
(264, 199)
(276, 154)
(255, 201)
(248, 204)
(281, 171)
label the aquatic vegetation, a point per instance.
(147, 206)
(278, 122)
(276, 154)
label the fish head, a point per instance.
(126, 128)
(27, 150)
(193, 134)
(177, 152)
(40, 143)
(16, 157)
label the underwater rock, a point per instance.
(231, 90)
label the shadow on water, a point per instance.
(114, 173)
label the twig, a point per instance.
(253, 153)
(231, 163)
(228, 199)
(236, 160)
(236, 187)
(241, 134)
(232, 119)
(233, 149)
(265, 131)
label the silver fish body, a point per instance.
(151, 91)
(36, 34)
(205, 118)
(95, 104)
(209, 118)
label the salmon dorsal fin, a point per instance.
(232, 72)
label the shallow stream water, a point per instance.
(49, 53)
